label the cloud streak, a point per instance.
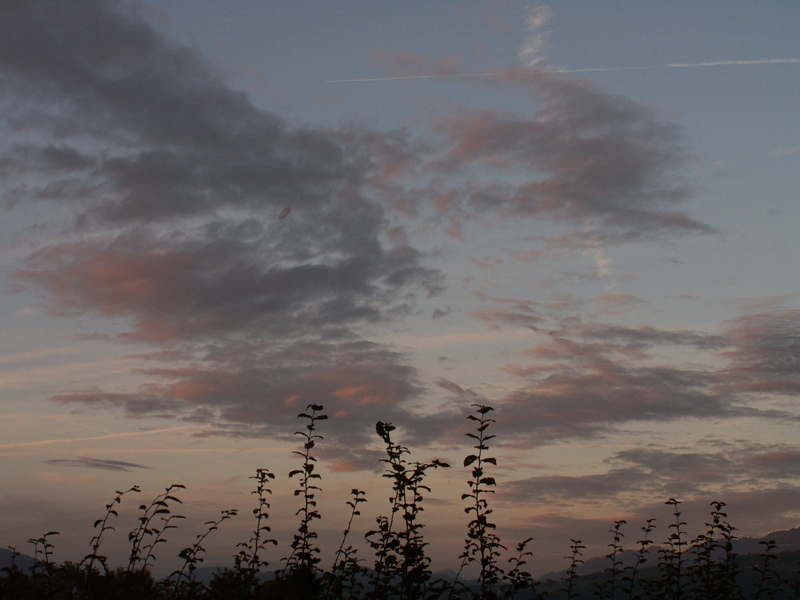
(96, 463)
(712, 63)
(109, 436)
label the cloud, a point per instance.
(96, 463)
(790, 151)
(647, 335)
(555, 488)
(586, 156)
(251, 389)
(584, 380)
(640, 480)
(523, 316)
(535, 18)
(601, 161)
(218, 281)
(765, 353)
(614, 302)
(586, 396)
(439, 313)
(176, 181)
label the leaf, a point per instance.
(470, 459)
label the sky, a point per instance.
(582, 214)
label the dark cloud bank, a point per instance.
(176, 182)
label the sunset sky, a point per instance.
(582, 213)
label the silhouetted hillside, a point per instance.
(23, 561)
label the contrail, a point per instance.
(715, 63)
(98, 437)
(409, 77)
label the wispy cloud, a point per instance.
(95, 463)
(109, 436)
(531, 52)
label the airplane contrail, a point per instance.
(98, 437)
(714, 63)
(409, 77)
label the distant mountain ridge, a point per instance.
(23, 561)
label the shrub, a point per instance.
(706, 568)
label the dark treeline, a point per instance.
(397, 565)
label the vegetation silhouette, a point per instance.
(705, 568)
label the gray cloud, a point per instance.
(733, 471)
(439, 313)
(645, 336)
(591, 397)
(177, 180)
(765, 356)
(597, 158)
(585, 379)
(554, 488)
(96, 463)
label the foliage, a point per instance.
(705, 568)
